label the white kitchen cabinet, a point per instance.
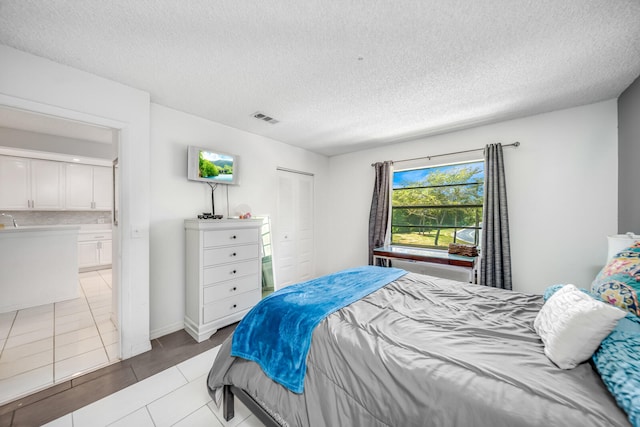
(88, 254)
(88, 187)
(47, 183)
(15, 183)
(102, 188)
(27, 184)
(223, 273)
(106, 251)
(94, 249)
(79, 186)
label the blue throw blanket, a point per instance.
(276, 333)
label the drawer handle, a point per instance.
(234, 306)
(234, 289)
(233, 254)
(234, 236)
(234, 272)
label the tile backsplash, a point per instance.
(56, 217)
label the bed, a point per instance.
(424, 351)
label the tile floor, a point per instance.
(176, 396)
(49, 344)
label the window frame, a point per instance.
(455, 227)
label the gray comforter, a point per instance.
(424, 351)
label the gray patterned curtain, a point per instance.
(495, 266)
(379, 215)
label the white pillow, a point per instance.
(572, 325)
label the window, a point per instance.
(435, 206)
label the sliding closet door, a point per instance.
(295, 228)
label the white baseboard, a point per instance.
(165, 330)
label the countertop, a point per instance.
(82, 228)
(39, 228)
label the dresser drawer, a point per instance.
(230, 305)
(231, 288)
(229, 237)
(230, 254)
(230, 271)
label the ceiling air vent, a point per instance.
(261, 116)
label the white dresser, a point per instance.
(223, 273)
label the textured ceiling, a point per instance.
(343, 75)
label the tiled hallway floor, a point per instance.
(163, 386)
(174, 397)
(49, 344)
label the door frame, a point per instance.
(122, 287)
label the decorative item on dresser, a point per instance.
(223, 273)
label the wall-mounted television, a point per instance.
(213, 166)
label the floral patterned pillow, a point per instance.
(619, 281)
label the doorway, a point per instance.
(44, 345)
(295, 237)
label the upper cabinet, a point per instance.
(34, 184)
(27, 184)
(15, 188)
(47, 183)
(102, 188)
(79, 186)
(88, 187)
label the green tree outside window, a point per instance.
(432, 207)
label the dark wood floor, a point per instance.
(60, 399)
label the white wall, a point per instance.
(36, 84)
(52, 143)
(561, 183)
(174, 198)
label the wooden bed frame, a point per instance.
(228, 412)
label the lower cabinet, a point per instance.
(94, 250)
(223, 260)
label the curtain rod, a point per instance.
(515, 144)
